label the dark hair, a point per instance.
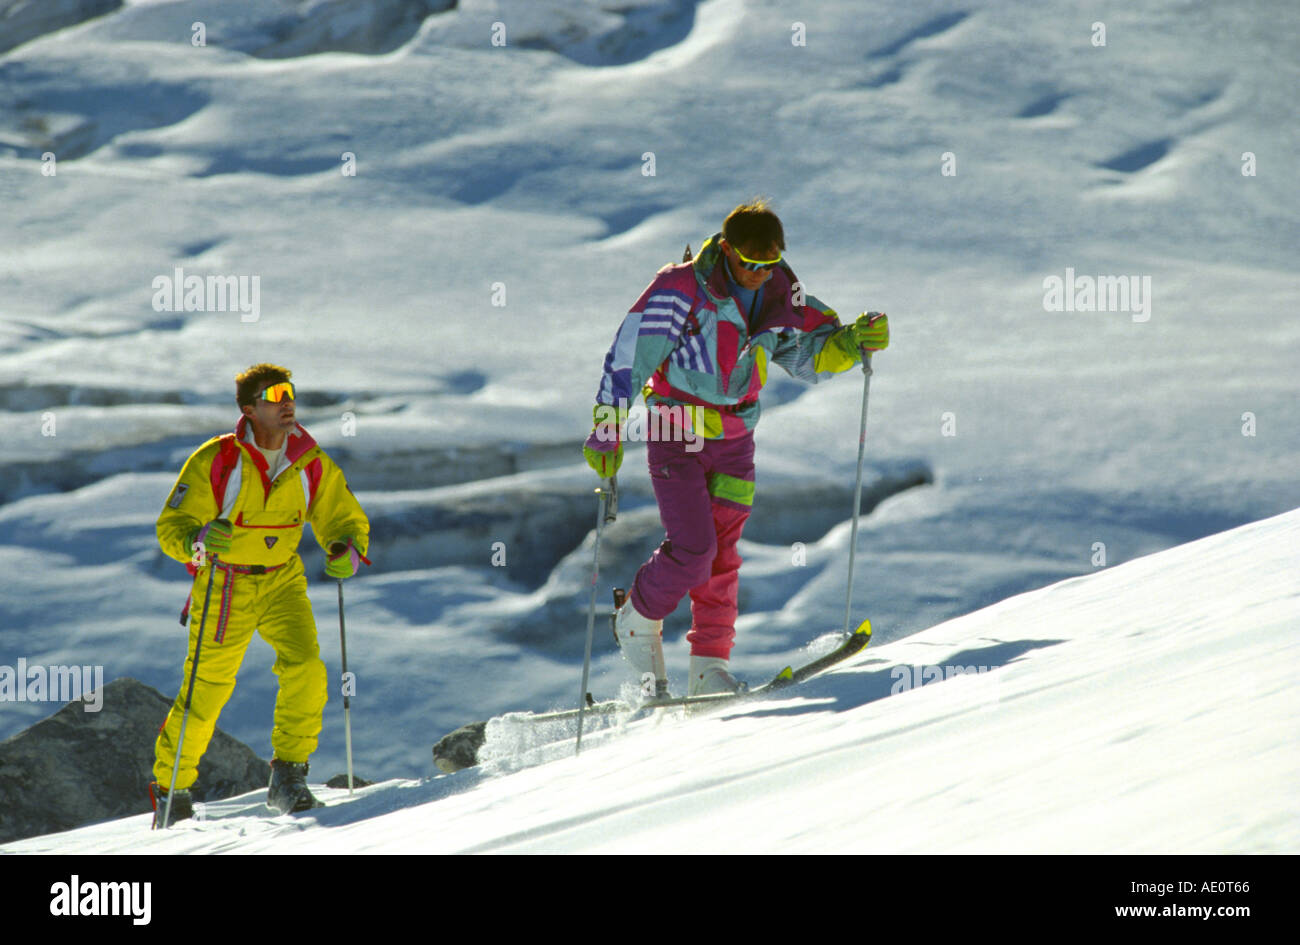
(754, 226)
(258, 376)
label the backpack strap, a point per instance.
(311, 477)
(222, 467)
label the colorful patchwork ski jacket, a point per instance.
(701, 362)
(227, 478)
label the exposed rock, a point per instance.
(78, 767)
(359, 26)
(23, 20)
(601, 32)
(460, 748)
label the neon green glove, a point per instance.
(343, 560)
(212, 539)
(871, 331)
(604, 448)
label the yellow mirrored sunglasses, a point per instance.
(278, 392)
(753, 265)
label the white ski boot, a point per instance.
(709, 674)
(642, 643)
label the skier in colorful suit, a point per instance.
(700, 338)
(239, 507)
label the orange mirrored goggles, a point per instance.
(278, 392)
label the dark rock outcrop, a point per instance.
(77, 767)
(23, 20)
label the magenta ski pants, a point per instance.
(704, 499)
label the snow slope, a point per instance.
(1148, 708)
(1052, 444)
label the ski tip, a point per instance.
(864, 629)
(785, 675)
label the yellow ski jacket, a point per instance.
(227, 478)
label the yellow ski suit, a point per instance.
(258, 585)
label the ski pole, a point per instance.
(189, 690)
(857, 488)
(347, 703)
(606, 512)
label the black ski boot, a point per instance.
(288, 792)
(182, 805)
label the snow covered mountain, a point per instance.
(1082, 224)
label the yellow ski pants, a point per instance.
(274, 604)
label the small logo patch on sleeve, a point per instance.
(178, 496)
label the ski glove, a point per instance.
(604, 448)
(212, 539)
(343, 560)
(871, 331)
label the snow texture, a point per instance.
(1147, 708)
(446, 309)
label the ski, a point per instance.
(459, 749)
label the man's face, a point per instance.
(748, 278)
(269, 415)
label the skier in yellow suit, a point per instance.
(236, 515)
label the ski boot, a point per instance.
(182, 804)
(709, 674)
(641, 641)
(288, 792)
